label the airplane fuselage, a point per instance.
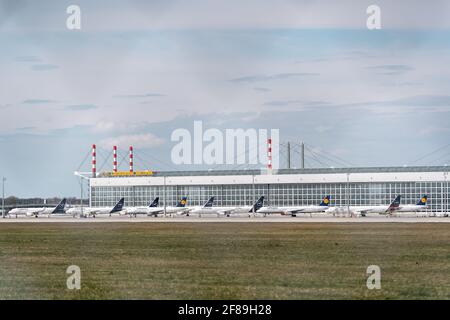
(291, 210)
(29, 212)
(89, 211)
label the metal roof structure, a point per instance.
(300, 171)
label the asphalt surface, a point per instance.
(210, 219)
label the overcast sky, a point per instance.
(137, 70)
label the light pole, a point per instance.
(445, 197)
(81, 195)
(348, 195)
(3, 197)
(164, 195)
(82, 177)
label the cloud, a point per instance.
(434, 130)
(323, 129)
(119, 126)
(278, 76)
(259, 89)
(79, 107)
(27, 59)
(250, 14)
(146, 95)
(142, 140)
(412, 104)
(303, 103)
(425, 101)
(392, 69)
(44, 67)
(26, 128)
(38, 101)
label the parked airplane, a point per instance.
(293, 211)
(419, 206)
(29, 212)
(207, 208)
(93, 211)
(154, 210)
(366, 210)
(151, 209)
(180, 208)
(228, 211)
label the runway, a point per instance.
(203, 219)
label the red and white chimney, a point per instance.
(269, 154)
(131, 159)
(115, 159)
(94, 161)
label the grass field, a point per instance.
(225, 261)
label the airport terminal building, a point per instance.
(283, 187)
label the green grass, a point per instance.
(225, 260)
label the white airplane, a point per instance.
(293, 211)
(228, 211)
(207, 208)
(367, 210)
(154, 210)
(180, 208)
(93, 211)
(419, 206)
(151, 209)
(30, 212)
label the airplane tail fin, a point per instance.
(154, 203)
(394, 204)
(423, 200)
(258, 204)
(209, 203)
(118, 206)
(325, 201)
(60, 207)
(182, 202)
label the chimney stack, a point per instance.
(131, 159)
(115, 159)
(269, 155)
(94, 161)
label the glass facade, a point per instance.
(292, 194)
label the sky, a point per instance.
(138, 70)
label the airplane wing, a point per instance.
(35, 210)
(294, 210)
(228, 211)
(155, 211)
